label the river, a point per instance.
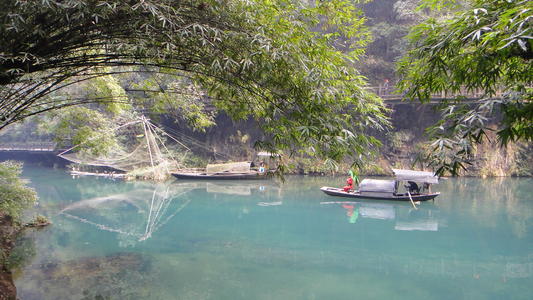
(272, 240)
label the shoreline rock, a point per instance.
(8, 232)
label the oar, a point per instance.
(410, 198)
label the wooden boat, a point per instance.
(227, 171)
(220, 175)
(398, 197)
(378, 189)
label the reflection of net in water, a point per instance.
(136, 214)
(149, 157)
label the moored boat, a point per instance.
(398, 197)
(378, 189)
(220, 175)
(227, 171)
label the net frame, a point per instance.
(151, 158)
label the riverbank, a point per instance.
(8, 233)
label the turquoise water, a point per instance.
(267, 240)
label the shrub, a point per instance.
(15, 196)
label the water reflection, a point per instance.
(137, 214)
(230, 188)
(232, 240)
(406, 218)
(134, 215)
(485, 201)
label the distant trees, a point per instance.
(256, 59)
(389, 21)
(486, 45)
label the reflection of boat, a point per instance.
(107, 175)
(237, 187)
(379, 189)
(425, 218)
(275, 203)
(238, 170)
(377, 211)
(229, 189)
(420, 225)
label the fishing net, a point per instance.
(142, 153)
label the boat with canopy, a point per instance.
(234, 170)
(408, 185)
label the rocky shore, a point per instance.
(8, 232)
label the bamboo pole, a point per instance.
(148, 141)
(412, 202)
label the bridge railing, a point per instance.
(28, 146)
(387, 92)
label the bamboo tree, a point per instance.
(257, 59)
(485, 47)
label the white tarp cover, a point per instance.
(377, 185)
(417, 176)
(236, 167)
(269, 154)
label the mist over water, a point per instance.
(271, 240)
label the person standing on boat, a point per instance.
(413, 187)
(262, 167)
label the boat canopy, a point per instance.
(417, 176)
(377, 185)
(235, 167)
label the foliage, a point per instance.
(175, 96)
(257, 59)
(108, 86)
(15, 196)
(87, 128)
(485, 47)
(389, 21)
(40, 219)
(400, 138)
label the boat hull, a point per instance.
(341, 193)
(220, 176)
